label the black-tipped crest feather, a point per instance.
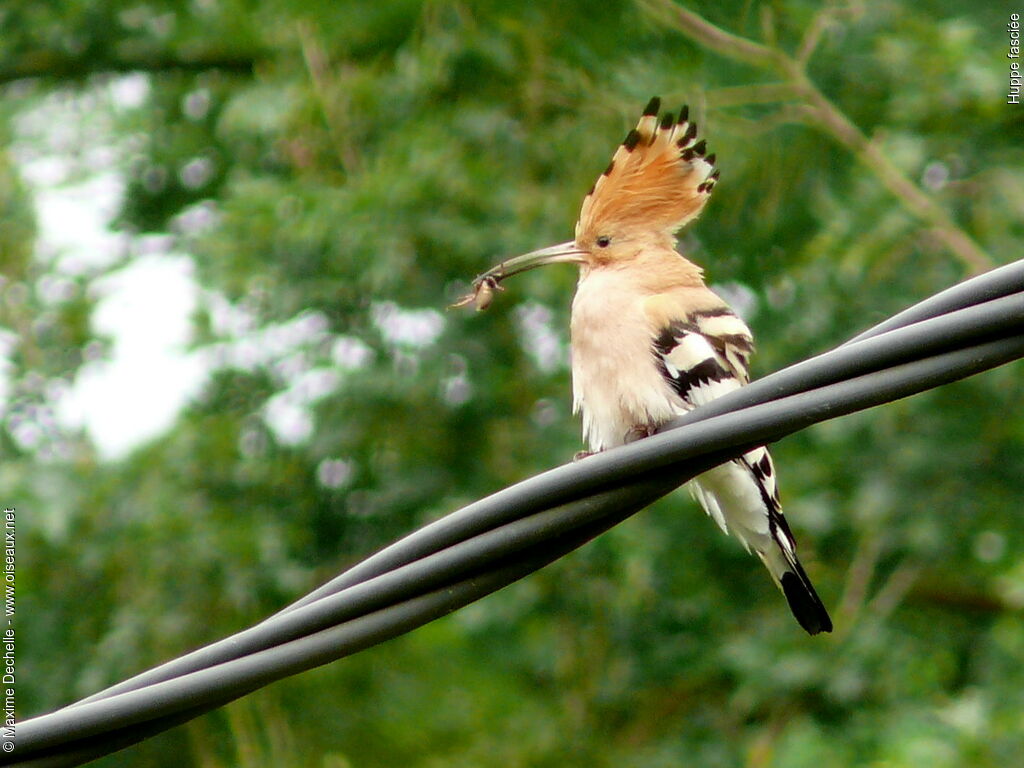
(654, 181)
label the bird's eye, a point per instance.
(604, 241)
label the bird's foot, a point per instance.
(582, 455)
(639, 432)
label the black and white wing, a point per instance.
(702, 357)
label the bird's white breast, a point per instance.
(616, 383)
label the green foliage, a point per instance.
(337, 172)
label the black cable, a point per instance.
(993, 284)
(228, 681)
(352, 574)
(876, 348)
(982, 322)
(758, 425)
(390, 592)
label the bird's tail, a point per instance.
(792, 579)
(740, 496)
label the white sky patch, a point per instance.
(350, 353)
(284, 345)
(73, 224)
(290, 351)
(457, 388)
(334, 473)
(289, 414)
(288, 418)
(538, 337)
(68, 153)
(65, 150)
(129, 91)
(408, 327)
(136, 394)
(227, 319)
(196, 219)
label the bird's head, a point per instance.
(658, 180)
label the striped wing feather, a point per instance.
(703, 357)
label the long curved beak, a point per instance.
(556, 254)
(485, 284)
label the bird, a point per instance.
(650, 341)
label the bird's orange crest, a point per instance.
(658, 180)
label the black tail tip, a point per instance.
(805, 604)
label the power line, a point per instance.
(474, 551)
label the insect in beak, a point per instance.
(485, 285)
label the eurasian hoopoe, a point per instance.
(651, 341)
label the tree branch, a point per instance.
(334, 100)
(715, 38)
(80, 67)
(763, 93)
(826, 117)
